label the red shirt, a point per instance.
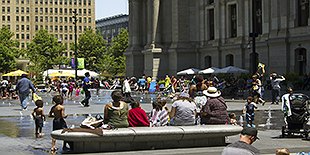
(137, 117)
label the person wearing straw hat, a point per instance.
(215, 110)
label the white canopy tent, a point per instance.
(208, 70)
(231, 69)
(189, 71)
(80, 73)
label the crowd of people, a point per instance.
(199, 102)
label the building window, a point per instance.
(56, 10)
(303, 12)
(66, 28)
(9, 18)
(233, 20)
(41, 19)
(27, 36)
(3, 9)
(22, 18)
(56, 28)
(36, 10)
(89, 11)
(51, 10)
(17, 27)
(27, 10)
(60, 10)
(56, 19)
(208, 62)
(211, 24)
(210, 2)
(27, 27)
(89, 2)
(89, 20)
(66, 2)
(23, 36)
(17, 18)
(46, 19)
(258, 20)
(66, 19)
(27, 19)
(17, 9)
(3, 18)
(66, 10)
(229, 60)
(60, 19)
(84, 11)
(51, 19)
(8, 10)
(36, 19)
(17, 36)
(51, 28)
(41, 10)
(51, 1)
(17, 1)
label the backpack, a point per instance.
(200, 100)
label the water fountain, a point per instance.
(268, 121)
(241, 120)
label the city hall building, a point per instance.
(167, 36)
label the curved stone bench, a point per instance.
(140, 138)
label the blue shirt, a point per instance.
(142, 82)
(86, 82)
(24, 85)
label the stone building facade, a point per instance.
(111, 26)
(168, 36)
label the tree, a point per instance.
(45, 51)
(91, 47)
(114, 59)
(8, 50)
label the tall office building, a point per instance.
(111, 26)
(25, 17)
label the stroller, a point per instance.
(297, 122)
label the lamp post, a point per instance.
(253, 35)
(75, 20)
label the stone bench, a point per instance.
(144, 138)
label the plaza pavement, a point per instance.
(269, 139)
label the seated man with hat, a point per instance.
(215, 110)
(247, 137)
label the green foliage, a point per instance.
(8, 50)
(91, 47)
(44, 51)
(113, 61)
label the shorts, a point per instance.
(59, 123)
(38, 121)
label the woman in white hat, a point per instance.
(215, 111)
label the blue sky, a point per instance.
(107, 8)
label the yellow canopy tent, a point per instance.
(15, 73)
(64, 74)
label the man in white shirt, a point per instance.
(275, 84)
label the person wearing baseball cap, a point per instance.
(243, 147)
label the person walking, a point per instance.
(275, 84)
(23, 87)
(86, 86)
(244, 145)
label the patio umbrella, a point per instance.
(15, 73)
(189, 71)
(208, 70)
(231, 69)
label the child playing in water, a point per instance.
(58, 112)
(39, 118)
(248, 109)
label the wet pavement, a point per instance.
(17, 127)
